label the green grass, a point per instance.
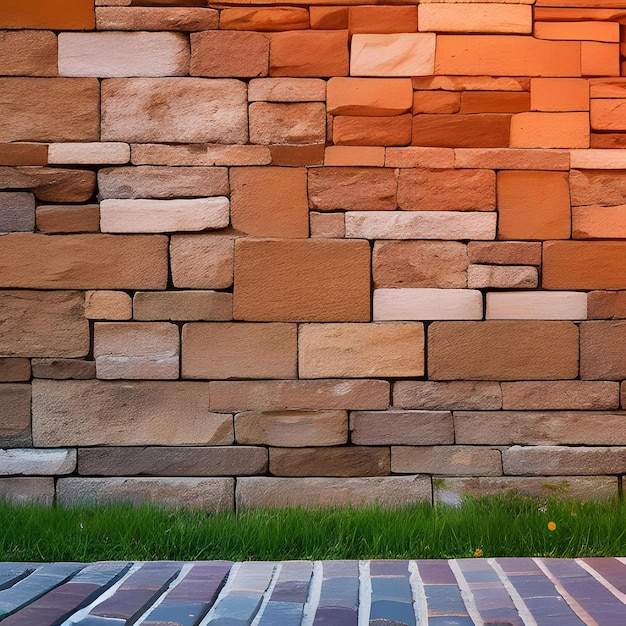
(499, 526)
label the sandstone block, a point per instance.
(383, 19)
(14, 370)
(436, 264)
(607, 87)
(108, 305)
(512, 158)
(502, 350)
(603, 305)
(447, 190)
(556, 305)
(229, 54)
(475, 18)
(28, 53)
(17, 211)
(504, 252)
(172, 461)
(83, 262)
(183, 306)
(482, 130)
(49, 109)
(369, 96)
(279, 395)
(123, 54)
(597, 159)
(494, 101)
(420, 157)
(293, 123)
(136, 350)
(336, 461)
(270, 201)
(372, 131)
(126, 413)
(585, 31)
(52, 14)
(329, 18)
(607, 114)
(176, 110)
(462, 394)
(471, 83)
(367, 156)
(156, 18)
(269, 284)
(26, 461)
(199, 154)
(264, 19)
(292, 429)
(550, 130)
(112, 153)
(598, 187)
(446, 460)
(398, 54)
(427, 304)
(67, 218)
(64, 369)
(50, 184)
(331, 225)
(418, 428)
(440, 102)
(600, 59)
(594, 222)
(158, 216)
(210, 494)
(559, 395)
(603, 350)
(363, 189)
(502, 276)
(23, 154)
(230, 350)
(15, 415)
(286, 89)
(202, 261)
(345, 350)
(298, 156)
(573, 94)
(262, 492)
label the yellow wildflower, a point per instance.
(551, 526)
(478, 553)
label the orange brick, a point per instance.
(504, 252)
(596, 222)
(486, 130)
(600, 59)
(494, 101)
(369, 96)
(50, 14)
(264, 19)
(608, 114)
(372, 131)
(559, 94)
(108, 305)
(581, 31)
(368, 156)
(189, 19)
(23, 154)
(298, 156)
(533, 205)
(202, 261)
(512, 159)
(550, 130)
(329, 18)
(269, 201)
(317, 280)
(502, 350)
(383, 19)
(607, 87)
(436, 102)
(607, 140)
(471, 83)
(28, 53)
(475, 18)
(598, 187)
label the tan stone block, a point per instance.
(601, 305)
(292, 429)
(298, 156)
(598, 187)
(52, 14)
(550, 130)
(17, 211)
(475, 18)
(67, 218)
(446, 460)
(447, 190)
(354, 156)
(345, 350)
(83, 261)
(264, 19)
(360, 189)
(419, 428)
(15, 415)
(205, 110)
(209, 494)
(229, 54)
(172, 461)
(558, 395)
(19, 491)
(28, 53)
(23, 154)
(269, 285)
(462, 394)
(372, 131)
(603, 350)
(440, 264)
(261, 492)
(108, 305)
(43, 323)
(183, 306)
(279, 395)
(50, 184)
(222, 351)
(512, 158)
(420, 157)
(331, 461)
(64, 369)
(199, 154)
(270, 201)
(555, 305)
(477, 130)
(383, 19)
(286, 89)
(156, 19)
(427, 304)
(329, 225)
(293, 123)
(369, 96)
(502, 350)
(90, 153)
(14, 369)
(126, 413)
(202, 261)
(504, 252)
(596, 222)
(440, 102)
(502, 276)
(49, 109)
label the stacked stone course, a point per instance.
(257, 253)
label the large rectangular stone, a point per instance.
(603, 350)
(475, 18)
(15, 415)
(158, 18)
(397, 427)
(456, 395)
(560, 394)
(126, 413)
(427, 304)
(27, 490)
(46, 462)
(52, 14)
(446, 460)
(28, 53)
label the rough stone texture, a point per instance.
(206, 111)
(202, 261)
(14, 370)
(262, 492)
(126, 413)
(50, 184)
(208, 349)
(504, 252)
(156, 18)
(345, 350)
(502, 276)
(397, 427)
(512, 159)
(40, 323)
(597, 187)
(603, 350)
(172, 461)
(27, 490)
(368, 156)
(199, 154)
(183, 306)
(419, 157)
(17, 211)
(210, 494)
(15, 415)
(28, 53)
(446, 460)
(456, 395)
(336, 461)
(108, 305)
(287, 123)
(64, 369)
(592, 222)
(24, 462)
(571, 394)
(68, 218)
(292, 429)
(286, 89)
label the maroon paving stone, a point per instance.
(436, 572)
(612, 570)
(202, 583)
(335, 616)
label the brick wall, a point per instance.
(263, 254)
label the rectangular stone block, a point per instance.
(597, 159)
(550, 130)
(287, 123)
(556, 305)
(264, 19)
(502, 350)
(286, 89)
(456, 395)
(585, 31)
(427, 304)
(155, 18)
(415, 156)
(14, 370)
(475, 18)
(383, 19)
(351, 156)
(397, 427)
(126, 413)
(28, 461)
(28, 53)
(51, 14)
(512, 158)
(336, 461)
(50, 184)
(603, 350)
(19, 491)
(23, 154)
(594, 222)
(90, 153)
(502, 276)
(183, 306)
(494, 102)
(369, 96)
(64, 369)
(17, 211)
(15, 415)
(446, 460)
(298, 155)
(202, 261)
(436, 102)
(278, 395)
(598, 187)
(504, 252)
(478, 130)
(559, 395)
(108, 305)
(67, 218)
(199, 154)
(358, 130)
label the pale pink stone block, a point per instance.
(420, 157)
(475, 18)
(199, 154)
(598, 159)
(427, 304)
(287, 90)
(537, 305)
(90, 153)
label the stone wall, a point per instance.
(263, 253)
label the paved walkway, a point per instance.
(462, 592)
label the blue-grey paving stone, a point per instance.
(389, 568)
(291, 591)
(102, 573)
(401, 612)
(281, 613)
(436, 572)
(152, 575)
(340, 569)
(176, 614)
(383, 621)
(506, 617)
(201, 584)
(253, 576)
(340, 592)
(91, 620)
(518, 565)
(444, 600)
(451, 620)
(477, 571)
(296, 570)
(545, 610)
(10, 573)
(397, 588)
(565, 568)
(237, 606)
(335, 616)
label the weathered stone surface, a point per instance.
(292, 429)
(603, 350)
(53, 14)
(126, 413)
(330, 461)
(108, 305)
(502, 276)
(27, 490)
(446, 460)
(462, 394)
(233, 350)
(24, 462)
(14, 370)
(64, 369)
(89, 153)
(287, 123)
(83, 262)
(256, 492)
(17, 211)
(570, 394)
(504, 252)
(43, 323)
(231, 54)
(198, 154)
(204, 110)
(50, 184)
(597, 187)
(67, 218)
(415, 156)
(211, 494)
(15, 415)
(202, 261)
(286, 89)
(183, 306)
(397, 427)
(156, 18)
(28, 53)
(512, 159)
(172, 461)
